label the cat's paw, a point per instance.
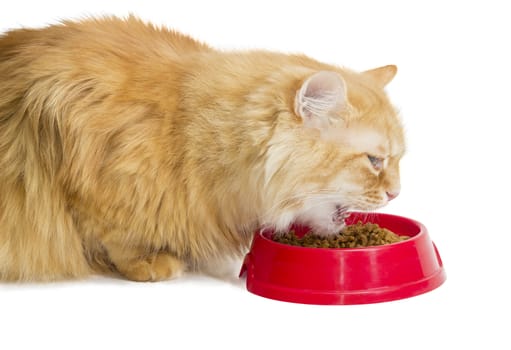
(153, 268)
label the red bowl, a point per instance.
(346, 275)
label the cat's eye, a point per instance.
(376, 162)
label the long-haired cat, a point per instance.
(137, 150)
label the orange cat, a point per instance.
(137, 150)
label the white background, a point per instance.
(453, 91)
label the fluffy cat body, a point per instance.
(138, 150)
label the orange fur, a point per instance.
(138, 150)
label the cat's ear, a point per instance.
(321, 96)
(382, 75)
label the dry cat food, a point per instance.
(353, 236)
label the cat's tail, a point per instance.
(38, 241)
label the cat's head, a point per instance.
(338, 149)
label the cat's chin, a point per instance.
(324, 227)
(319, 227)
(327, 230)
(323, 221)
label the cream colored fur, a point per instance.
(130, 149)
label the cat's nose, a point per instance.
(392, 195)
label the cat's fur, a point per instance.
(135, 149)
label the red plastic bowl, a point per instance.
(346, 275)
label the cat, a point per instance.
(137, 151)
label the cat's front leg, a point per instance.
(143, 265)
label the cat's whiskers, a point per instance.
(364, 204)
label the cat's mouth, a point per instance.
(340, 214)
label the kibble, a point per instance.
(353, 236)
